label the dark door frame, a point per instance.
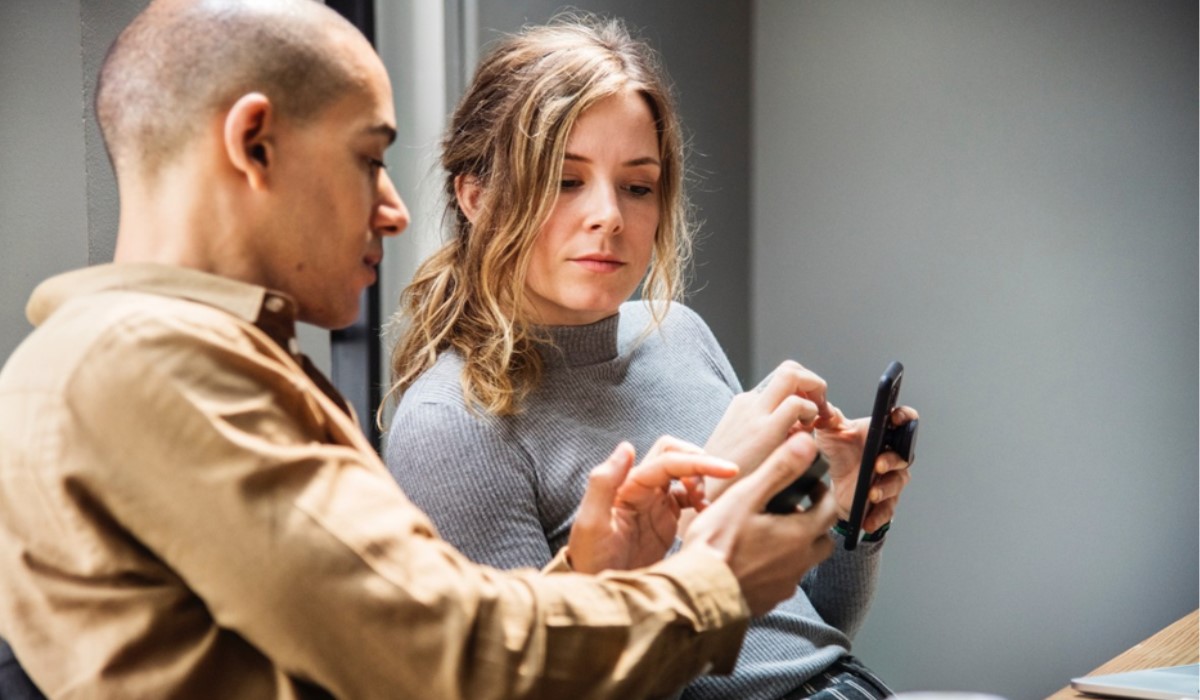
(356, 358)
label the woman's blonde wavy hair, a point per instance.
(509, 133)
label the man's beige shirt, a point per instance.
(186, 512)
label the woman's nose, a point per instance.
(604, 210)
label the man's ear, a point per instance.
(468, 191)
(249, 125)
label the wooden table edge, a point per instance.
(1174, 645)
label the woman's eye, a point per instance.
(569, 184)
(639, 190)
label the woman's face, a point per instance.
(595, 248)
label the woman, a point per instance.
(521, 363)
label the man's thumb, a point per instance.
(603, 482)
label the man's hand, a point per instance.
(628, 516)
(759, 420)
(842, 441)
(768, 554)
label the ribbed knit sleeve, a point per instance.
(479, 490)
(841, 587)
(707, 343)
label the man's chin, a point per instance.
(331, 319)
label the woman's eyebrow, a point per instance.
(644, 160)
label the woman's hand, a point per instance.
(759, 420)
(629, 515)
(841, 441)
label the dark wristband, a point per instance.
(843, 528)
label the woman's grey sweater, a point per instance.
(505, 490)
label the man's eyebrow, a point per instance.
(385, 130)
(644, 160)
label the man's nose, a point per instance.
(391, 216)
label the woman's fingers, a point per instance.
(792, 378)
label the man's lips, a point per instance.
(371, 263)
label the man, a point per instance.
(189, 508)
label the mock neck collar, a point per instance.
(579, 346)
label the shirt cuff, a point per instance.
(559, 564)
(716, 596)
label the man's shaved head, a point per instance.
(182, 61)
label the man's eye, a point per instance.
(376, 164)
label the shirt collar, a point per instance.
(273, 312)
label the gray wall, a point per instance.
(58, 196)
(1003, 196)
(705, 47)
(43, 207)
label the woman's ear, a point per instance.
(248, 137)
(468, 190)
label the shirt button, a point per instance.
(274, 304)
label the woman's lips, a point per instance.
(599, 264)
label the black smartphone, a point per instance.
(882, 436)
(803, 487)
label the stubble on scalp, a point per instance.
(180, 62)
